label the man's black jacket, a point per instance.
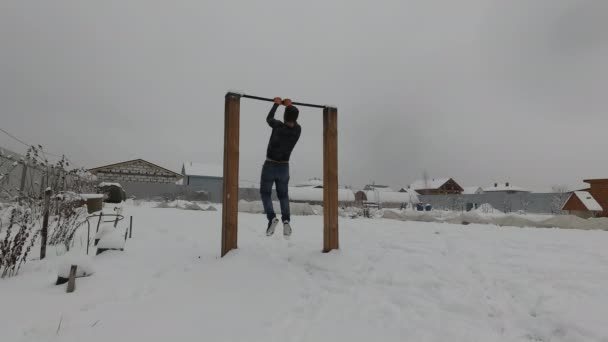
(282, 140)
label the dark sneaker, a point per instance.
(271, 225)
(286, 229)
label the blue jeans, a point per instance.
(275, 173)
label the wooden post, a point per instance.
(99, 221)
(330, 179)
(23, 177)
(72, 279)
(230, 198)
(88, 236)
(130, 227)
(44, 232)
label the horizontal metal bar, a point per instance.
(272, 100)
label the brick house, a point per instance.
(599, 190)
(135, 171)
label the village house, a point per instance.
(436, 186)
(505, 188)
(599, 190)
(135, 171)
(472, 190)
(582, 204)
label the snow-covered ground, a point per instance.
(391, 281)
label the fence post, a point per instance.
(230, 200)
(99, 222)
(23, 176)
(330, 179)
(45, 223)
(72, 279)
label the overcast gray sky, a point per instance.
(478, 90)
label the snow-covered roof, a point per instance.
(434, 183)
(315, 182)
(104, 184)
(588, 201)
(392, 197)
(316, 194)
(91, 196)
(505, 187)
(378, 187)
(471, 190)
(245, 184)
(203, 169)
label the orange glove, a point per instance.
(287, 102)
(277, 100)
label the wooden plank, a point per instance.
(44, 232)
(231, 173)
(72, 279)
(330, 179)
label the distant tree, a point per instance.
(506, 204)
(425, 180)
(525, 202)
(460, 202)
(561, 193)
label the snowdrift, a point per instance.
(298, 209)
(489, 215)
(186, 205)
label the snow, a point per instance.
(104, 184)
(487, 208)
(471, 190)
(310, 183)
(114, 239)
(390, 281)
(434, 183)
(485, 214)
(245, 184)
(106, 228)
(203, 169)
(84, 263)
(186, 205)
(374, 187)
(504, 187)
(237, 92)
(588, 201)
(392, 197)
(256, 207)
(316, 194)
(91, 196)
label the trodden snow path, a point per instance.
(391, 281)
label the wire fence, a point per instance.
(31, 174)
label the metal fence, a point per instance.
(542, 203)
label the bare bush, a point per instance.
(25, 209)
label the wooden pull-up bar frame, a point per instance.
(231, 172)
